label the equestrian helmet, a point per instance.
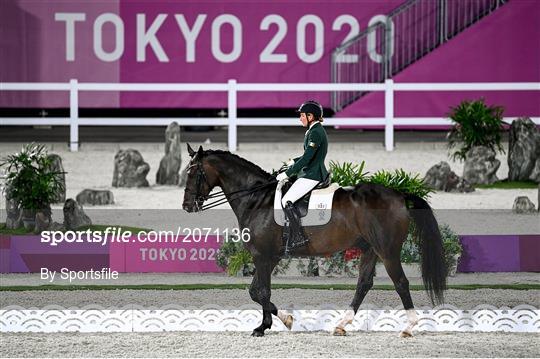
(312, 107)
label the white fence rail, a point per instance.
(232, 88)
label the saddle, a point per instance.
(314, 208)
(303, 203)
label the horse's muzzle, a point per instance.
(196, 206)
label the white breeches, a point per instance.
(299, 188)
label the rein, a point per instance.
(221, 196)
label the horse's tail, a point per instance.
(427, 234)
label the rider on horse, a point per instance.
(309, 169)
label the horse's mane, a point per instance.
(242, 160)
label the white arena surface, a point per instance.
(217, 322)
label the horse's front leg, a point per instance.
(283, 315)
(261, 289)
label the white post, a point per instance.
(389, 115)
(232, 116)
(73, 116)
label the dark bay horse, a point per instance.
(371, 217)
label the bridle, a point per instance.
(220, 196)
(200, 176)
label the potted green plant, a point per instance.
(452, 248)
(237, 261)
(233, 258)
(475, 124)
(343, 263)
(348, 173)
(31, 182)
(410, 253)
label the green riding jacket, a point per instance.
(311, 164)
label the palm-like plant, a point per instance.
(30, 178)
(475, 124)
(402, 181)
(348, 173)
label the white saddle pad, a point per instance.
(319, 208)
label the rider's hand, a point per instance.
(282, 176)
(290, 163)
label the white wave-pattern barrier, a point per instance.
(131, 318)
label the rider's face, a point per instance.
(304, 119)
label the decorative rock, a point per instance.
(524, 151)
(56, 166)
(183, 176)
(535, 174)
(130, 170)
(13, 212)
(481, 166)
(523, 204)
(55, 226)
(458, 184)
(95, 197)
(171, 162)
(28, 217)
(437, 176)
(74, 216)
(43, 221)
(441, 177)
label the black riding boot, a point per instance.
(293, 232)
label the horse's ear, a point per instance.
(200, 151)
(190, 150)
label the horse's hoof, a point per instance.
(289, 322)
(406, 334)
(340, 332)
(257, 333)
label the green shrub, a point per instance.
(240, 261)
(410, 253)
(349, 174)
(451, 245)
(475, 124)
(233, 257)
(452, 248)
(30, 180)
(403, 182)
(309, 270)
(343, 262)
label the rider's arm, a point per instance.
(314, 141)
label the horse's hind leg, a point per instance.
(284, 316)
(365, 282)
(401, 284)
